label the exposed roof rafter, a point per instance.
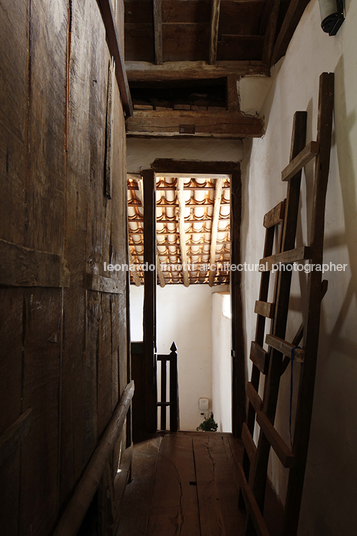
(216, 7)
(214, 230)
(181, 217)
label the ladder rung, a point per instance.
(252, 505)
(283, 452)
(264, 309)
(254, 398)
(275, 215)
(259, 357)
(285, 348)
(307, 154)
(159, 404)
(286, 257)
(248, 443)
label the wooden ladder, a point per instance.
(253, 472)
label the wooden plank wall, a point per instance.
(63, 350)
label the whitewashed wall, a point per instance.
(141, 153)
(221, 361)
(184, 316)
(330, 490)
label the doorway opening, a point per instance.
(193, 254)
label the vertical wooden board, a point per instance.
(98, 61)
(13, 118)
(123, 343)
(77, 201)
(104, 410)
(115, 327)
(217, 486)
(46, 138)
(41, 379)
(93, 317)
(11, 319)
(238, 360)
(174, 505)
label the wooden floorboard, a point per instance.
(135, 512)
(175, 506)
(185, 484)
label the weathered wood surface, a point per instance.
(11, 439)
(53, 88)
(259, 357)
(146, 71)
(174, 504)
(70, 521)
(211, 124)
(215, 14)
(300, 161)
(295, 10)
(157, 4)
(24, 267)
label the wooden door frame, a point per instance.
(168, 165)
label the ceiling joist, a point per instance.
(214, 231)
(216, 7)
(181, 217)
(157, 6)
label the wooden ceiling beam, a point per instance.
(214, 230)
(270, 33)
(181, 200)
(293, 15)
(117, 53)
(216, 8)
(134, 273)
(176, 123)
(141, 71)
(157, 8)
(159, 271)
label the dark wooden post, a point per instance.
(149, 320)
(174, 395)
(163, 393)
(238, 359)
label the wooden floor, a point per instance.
(184, 484)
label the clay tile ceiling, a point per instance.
(192, 229)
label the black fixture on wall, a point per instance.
(332, 15)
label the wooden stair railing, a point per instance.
(73, 516)
(173, 402)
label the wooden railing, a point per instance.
(173, 402)
(78, 505)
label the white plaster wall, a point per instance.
(136, 312)
(330, 490)
(221, 361)
(184, 315)
(142, 152)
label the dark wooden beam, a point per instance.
(238, 354)
(295, 10)
(149, 321)
(140, 71)
(169, 165)
(216, 7)
(157, 5)
(116, 52)
(223, 124)
(270, 33)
